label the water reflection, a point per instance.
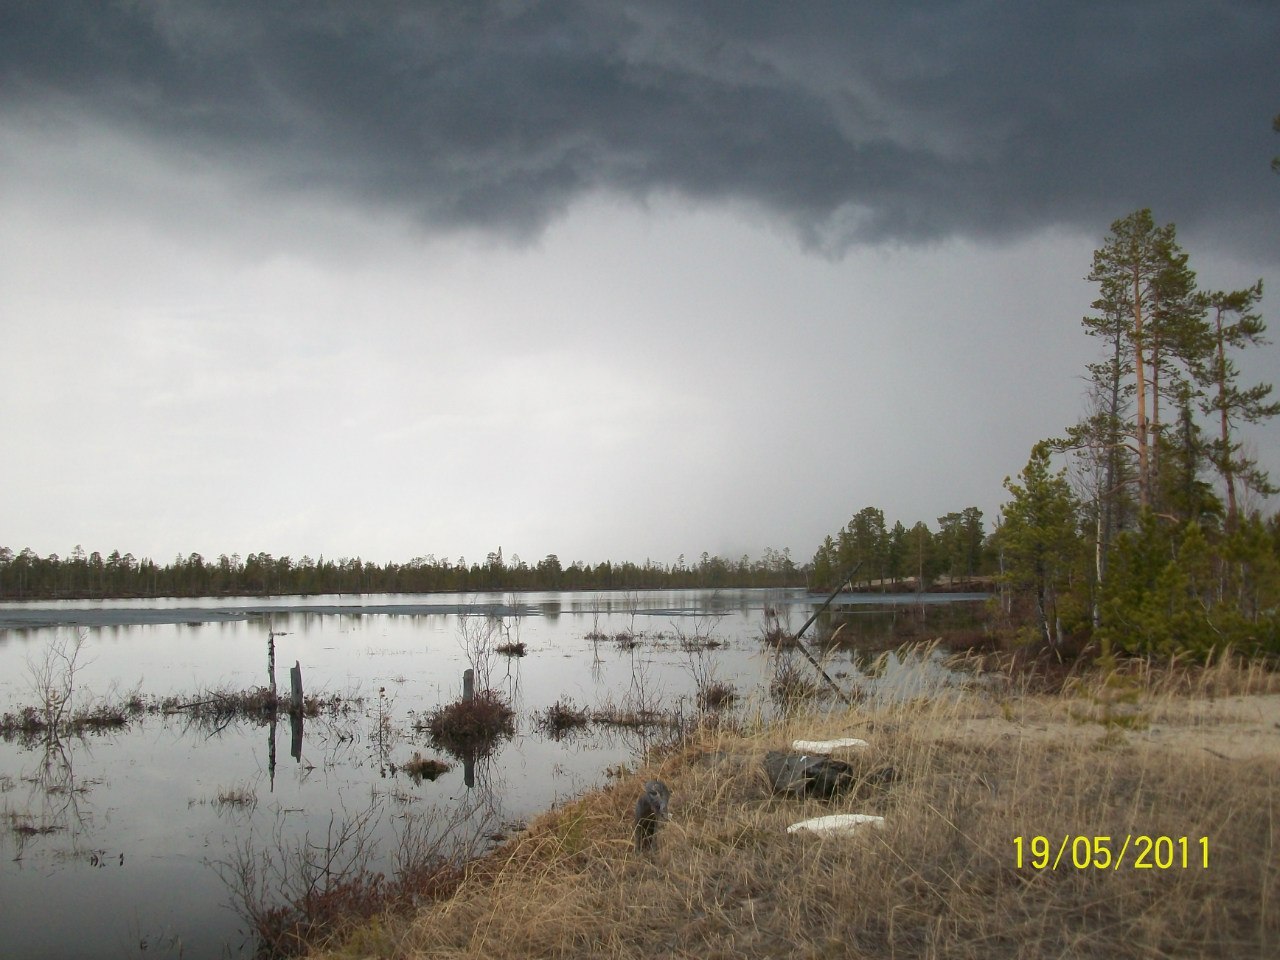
(640, 665)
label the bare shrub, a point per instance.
(52, 677)
(297, 892)
(478, 636)
(711, 693)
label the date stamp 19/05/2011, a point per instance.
(1134, 851)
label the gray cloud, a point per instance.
(849, 121)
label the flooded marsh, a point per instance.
(163, 827)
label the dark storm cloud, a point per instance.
(850, 120)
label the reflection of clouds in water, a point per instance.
(419, 661)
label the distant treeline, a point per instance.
(885, 555)
(28, 576)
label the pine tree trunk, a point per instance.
(1227, 472)
(1144, 478)
(1153, 427)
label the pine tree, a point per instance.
(1177, 336)
(1147, 306)
(1040, 538)
(1219, 374)
(1183, 492)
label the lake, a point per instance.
(129, 842)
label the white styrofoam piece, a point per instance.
(838, 823)
(828, 746)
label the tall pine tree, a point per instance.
(1230, 402)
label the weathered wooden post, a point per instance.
(271, 750)
(271, 664)
(295, 680)
(469, 761)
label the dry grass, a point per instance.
(24, 825)
(516, 649)
(940, 880)
(238, 796)
(30, 723)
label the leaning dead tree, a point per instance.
(847, 580)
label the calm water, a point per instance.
(137, 831)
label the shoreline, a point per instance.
(940, 879)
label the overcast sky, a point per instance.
(606, 280)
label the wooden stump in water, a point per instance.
(295, 680)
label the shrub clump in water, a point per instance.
(424, 768)
(560, 718)
(471, 725)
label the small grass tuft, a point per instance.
(717, 696)
(794, 685)
(240, 796)
(561, 718)
(424, 768)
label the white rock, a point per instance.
(838, 824)
(828, 746)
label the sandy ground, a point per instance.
(1235, 727)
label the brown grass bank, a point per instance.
(942, 878)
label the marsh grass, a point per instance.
(421, 768)
(217, 705)
(24, 825)
(212, 706)
(240, 796)
(940, 880)
(611, 713)
(561, 718)
(717, 695)
(470, 726)
(30, 723)
(794, 684)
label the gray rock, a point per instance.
(807, 775)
